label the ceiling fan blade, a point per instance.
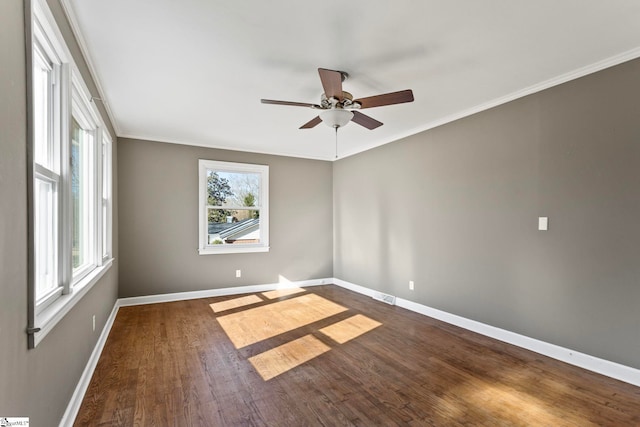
(386, 99)
(293, 104)
(364, 120)
(331, 83)
(311, 123)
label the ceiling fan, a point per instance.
(338, 107)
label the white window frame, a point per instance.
(48, 170)
(106, 208)
(204, 248)
(72, 99)
(83, 113)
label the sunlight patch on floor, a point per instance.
(350, 328)
(218, 307)
(257, 324)
(499, 401)
(281, 359)
(282, 292)
(504, 402)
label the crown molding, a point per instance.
(69, 12)
(538, 87)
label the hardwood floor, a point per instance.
(354, 361)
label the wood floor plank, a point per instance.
(174, 364)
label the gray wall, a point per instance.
(159, 221)
(34, 383)
(455, 209)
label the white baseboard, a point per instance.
(353, 287)
(81, 388)
(601, 366)
(183, 296)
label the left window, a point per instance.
(70, 203)
(46, 71)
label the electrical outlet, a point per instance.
(238, 273)
(410, 285)
(94, 322)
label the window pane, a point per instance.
(106, 173)
(105, 245)
(45, 242)
(238, 226)
(233, 189)
(42, 110)
(81, 195)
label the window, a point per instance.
(70, 202)
(84, 177)
(46, 101)
(106, 198)
(234, 207)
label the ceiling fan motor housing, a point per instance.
(332, 102)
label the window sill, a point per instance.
(233, 250)
(50, 316)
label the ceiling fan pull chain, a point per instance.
(336, 128)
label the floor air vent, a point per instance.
(389, 299)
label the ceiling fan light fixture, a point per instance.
(336, 117)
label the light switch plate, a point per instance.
(543, 223)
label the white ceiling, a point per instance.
(193, 71)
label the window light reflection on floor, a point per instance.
(218, 307)
(350, 328)
(283, 358)
(255, 324)
(506, 401)
(278, 293)
(260, 323)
